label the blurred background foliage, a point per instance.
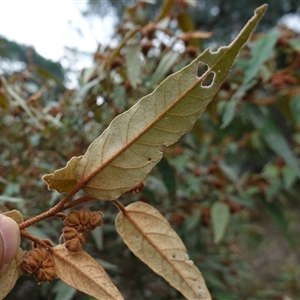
(230, 187)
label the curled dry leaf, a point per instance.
(130, 147)
(84, 273)
(11, 274)
(63, 180)
(150, 237)
(15, 215)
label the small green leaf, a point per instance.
(63, 291)
(192, 221)
(164, 66)
(220, 217)
(133, 61)
(168, 176)
(86, 88)
(289, 177)
(261, 51)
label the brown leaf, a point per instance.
(15, 215)
(11, 274)
(130, 147)
(150, 237)
(64, 179)
(81, 271)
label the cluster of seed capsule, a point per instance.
(79, 221)
(38, 261)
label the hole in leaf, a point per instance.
(149, 159)
(208, 80)
(202, 68)
(174, 255)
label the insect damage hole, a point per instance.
(208, 80)
(202, 68)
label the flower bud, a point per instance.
(96, 219)
(69, 233)
(74, 245)
(73, 219)
(84, 217)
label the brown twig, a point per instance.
(120, 206)
(78, 201)
(60, 215)
(24, 233)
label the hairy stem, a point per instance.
(46, 244)
(60, 206)
(78, 201)
(120, 206)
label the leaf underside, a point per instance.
(84, 273)
(131, 146)
(151, 238)
(10, 276)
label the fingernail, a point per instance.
(9, 241)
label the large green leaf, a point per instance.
(131, 146)
(273, 136)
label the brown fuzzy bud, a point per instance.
(31, 263)
(69, 233)
(84, 217)
(45, 274)
(96, 219)
(82, 220)
(38, 262)
(73, 239)
(74, 245)
(73, 220)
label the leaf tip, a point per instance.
(261, 9)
